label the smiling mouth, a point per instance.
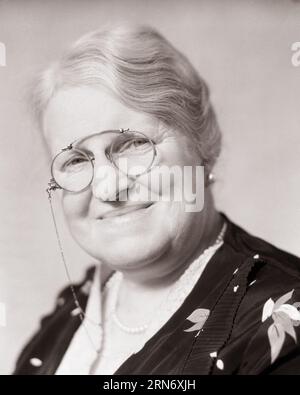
(124, 211)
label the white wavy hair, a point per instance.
(146, 73)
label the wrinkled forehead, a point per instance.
(77, 113)
(97, 139)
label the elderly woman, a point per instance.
(177, 290)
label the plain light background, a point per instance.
(241, 48)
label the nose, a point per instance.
(109, 184)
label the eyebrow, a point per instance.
(151, 133)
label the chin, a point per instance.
(140, 250)
(130, 241)
(131, 250)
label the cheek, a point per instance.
(75, 206)
(177, 219)
(182, 224)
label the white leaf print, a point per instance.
(283, 299)
(268, 309)
(276, 336)
(289, 310)
(198, 315)
(284, 320)
(285, 317)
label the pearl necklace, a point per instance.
(114, 284)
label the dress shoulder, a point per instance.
(44, 345)
(266, 330)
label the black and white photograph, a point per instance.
(150, 189)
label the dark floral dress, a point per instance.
(241, 317)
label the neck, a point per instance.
(135, 291)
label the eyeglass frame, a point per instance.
(53, 184)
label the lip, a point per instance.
(124, 211)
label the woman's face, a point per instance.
(125, 235)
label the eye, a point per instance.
(139, 142)
(136, 144)
(76, 163)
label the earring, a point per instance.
(211, 178)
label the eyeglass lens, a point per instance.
(132, 153)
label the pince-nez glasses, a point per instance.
(73, 169)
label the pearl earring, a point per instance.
(211, 178)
